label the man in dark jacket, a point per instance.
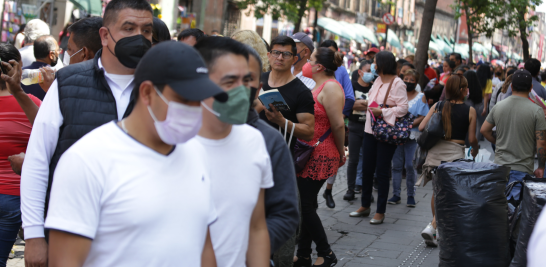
(281, 201)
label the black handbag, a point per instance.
(302, 151)
(434, 131)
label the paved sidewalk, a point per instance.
(396, 242)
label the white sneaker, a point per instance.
(429, 234)
(11, 254)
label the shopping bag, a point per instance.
(483, 155)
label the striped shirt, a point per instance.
(14, 134)
(310, 83)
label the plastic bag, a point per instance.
(483, 155)
(534, 198)
(471, 214)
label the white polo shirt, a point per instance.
(310, 83)
(239, 167)
(140, 207)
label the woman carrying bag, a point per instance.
(378, 155)
(458, 120)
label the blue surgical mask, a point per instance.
(373, 69)
(367, 77)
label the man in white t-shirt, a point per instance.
(237, 159)
(126, 183)
(305, 48)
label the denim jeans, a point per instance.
(377, 159)
(10, 222)
(515, 176)
(403, 157)
(359, 168)
(311, 225)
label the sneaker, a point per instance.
(429, 234)
(358, 189)
(11, 254)
(411, 202)
(394, 200)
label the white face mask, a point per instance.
(183, 122)
(66, 58)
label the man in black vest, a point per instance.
(83, 97)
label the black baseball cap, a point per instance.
(301, 37)
(182, 68)
(522, 79)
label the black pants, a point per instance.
(356, 135)
(377, 158)
(311, 228)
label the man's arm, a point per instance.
(305, 128)
(67, 250)
(281, 201)
(349, 94)
(208, 259)
(258, 253)
(487, 132)
(541, 152)
(13, 83)
(35, 173)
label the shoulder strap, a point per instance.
(388, 92)
(325, 135)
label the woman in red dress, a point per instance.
(327, 157)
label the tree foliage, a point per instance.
(289, 9)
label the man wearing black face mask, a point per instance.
(46, 52)
(83, 97)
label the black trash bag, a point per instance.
(534, 198)
(471, 214)
(514, 214)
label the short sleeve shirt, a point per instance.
(123, 196)
(516, 119)
(299, 99)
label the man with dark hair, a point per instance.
(399, 65)
(83, 97)
(215, 33)
(456, 57)
(46, 52)
(191, 36)
(103, 210)
(84, 40)
(281, 201)
(300, 119)
(532, 65)
(236, 151)
(370, 54)
(520, 126)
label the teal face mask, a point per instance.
(235, 110)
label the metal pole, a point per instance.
(202, 15)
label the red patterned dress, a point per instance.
(324, 161)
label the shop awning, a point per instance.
(93, 7)
(447, 40)
(444, 46)
(480, 48)
(348, 32)
(337, 28)
(494, 52)
(462, 49)
(432, 46)
(365, 33)
(409, 47)
(392, 39)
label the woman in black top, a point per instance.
(458, 120)
(357, 120)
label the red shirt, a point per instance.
(14, 134)
(431, 74)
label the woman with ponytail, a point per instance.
(327, 157)
(458, 120)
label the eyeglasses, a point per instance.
(285, 55)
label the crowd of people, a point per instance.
(137, 136)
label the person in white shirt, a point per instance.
(122, 185)
(304, 45)
(237, 159)
(34, 29)
(83, 97)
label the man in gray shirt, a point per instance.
(532, 65)
(520, 126)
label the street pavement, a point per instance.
(356, 242)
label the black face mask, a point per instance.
(130, 50)
(54, 62)
(253, 92)
(410, 86)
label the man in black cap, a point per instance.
(305, 48)
(122, 185)
(520, 127)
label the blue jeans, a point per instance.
(515, 176)
(403, 157)
(10, 222)
(359, 168)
